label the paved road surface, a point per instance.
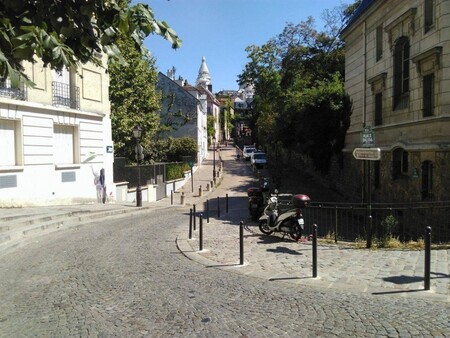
(125, 278)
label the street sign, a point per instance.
(367, 137)
(370, 154)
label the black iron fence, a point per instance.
(65, 95)
(349, 222)
(17, 93)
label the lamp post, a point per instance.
(137, 132)
(214, 159)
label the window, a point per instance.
(427, 180)
(65, 93)
(428, 95)
(10, 141)
(401, 73)
(399, 163)
(428, 15)
(378, 109)
(64, 144)
(379, 43)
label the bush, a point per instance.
(175, 171)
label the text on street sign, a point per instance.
(370, 154)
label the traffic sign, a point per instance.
(370, 154)
(367, 137)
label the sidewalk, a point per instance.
(380, 272)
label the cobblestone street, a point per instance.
(124, 277)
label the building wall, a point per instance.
(423, 138)
(44, 171)
(190, 103)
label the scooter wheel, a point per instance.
(297, 234)
(264, 228)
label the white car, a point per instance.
(248, 152)
(259, 159)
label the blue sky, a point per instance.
(220, 30)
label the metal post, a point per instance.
(218, 207)
(226, 204)
(171, 197)
(336, 225)
(200, 238)
(182, 198)
(207, 211)
(214, 159)
(427, 258)
(369, 199)
(192, 179)
(195, 216)
(138, 188)
(190, 223)
(314, 251)
(241, 243)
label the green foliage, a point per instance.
(65, 33)
(175, 171)
(388, 227)
(134, 100)
(173, 149)
(299, 90)
(210, 129)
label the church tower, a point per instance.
(203, 78)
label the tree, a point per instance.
(65, 33)
(299, 92)
(134, 99)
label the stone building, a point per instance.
(55, 136)
(183, 111)
(397, 72)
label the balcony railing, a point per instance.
(18, 93)
(65, 95)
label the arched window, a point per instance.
(401, 73)
(399, 163)
(427, 180)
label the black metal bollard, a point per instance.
(314, 251)
(195, 216)
(218, 207)
(226, 203)
(207, 211)
(369, 233)
(427, 258)
(190, 223)
(200, 237)
(241, 243)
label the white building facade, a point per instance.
(54, 137)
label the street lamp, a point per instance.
(214, 158)
(137, 132)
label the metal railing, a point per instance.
(349, 222)
(65, 95)
(18, 93)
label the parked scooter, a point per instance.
(257, 198)
(290, 222)
(255, 202)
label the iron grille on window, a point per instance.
(65, 95)
(17, 93)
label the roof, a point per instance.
(365, 4)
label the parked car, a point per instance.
(259, 159)
(248, 152)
